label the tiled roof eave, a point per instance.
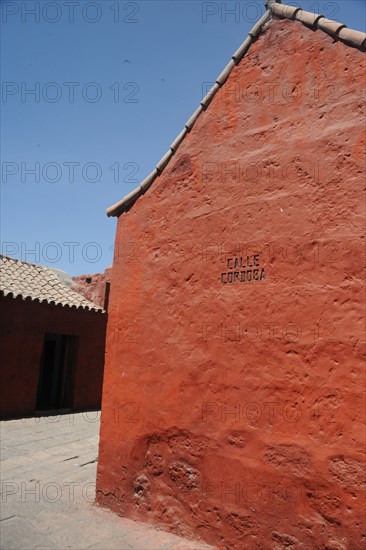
(30, 282)
(89, 306)
(275, 8)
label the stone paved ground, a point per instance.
(48, 468)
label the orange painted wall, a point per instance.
(96, 289)
(235, 411)
(22, 329)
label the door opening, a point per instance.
(57, 372)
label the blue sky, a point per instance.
(113, 84)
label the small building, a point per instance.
(52, 342)
(233, 398)
(94, 287)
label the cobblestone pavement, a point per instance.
(48, 468)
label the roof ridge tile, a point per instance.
(242, 50)
(191, 121)
(164, 161)
(209, 96)
(308, 18)
(221, 79)
(145, 184)
(338, 31)
(257, 27)
(329, 26)
(353, 38)
(285, 10)
(178, 140)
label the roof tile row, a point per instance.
(337, 30)
(39, 283)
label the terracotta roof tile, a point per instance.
(308, 18)
(190, 122)
(257, 28)
(149, 179)
(39, 283)
(242, 50)
(164, 161)
(178, 140)
(282, 10)
(225, 73)
(208, 97)
(353, 38)
(329, 26)
(337, 30)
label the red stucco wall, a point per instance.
(95, 290)
(23, 326)
(235, 412)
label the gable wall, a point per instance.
(234, 411)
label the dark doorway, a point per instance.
(57, 372)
